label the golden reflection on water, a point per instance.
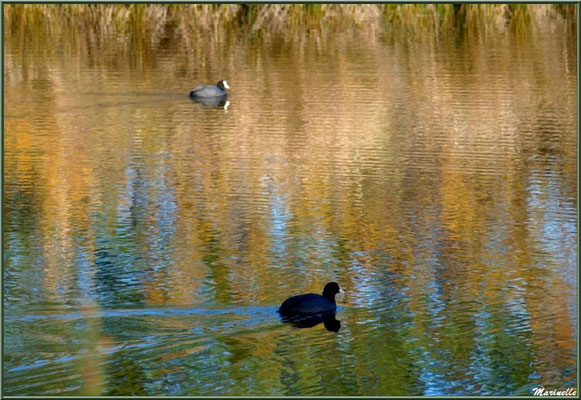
(435, 181)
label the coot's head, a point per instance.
(223, 85)
(331, 289)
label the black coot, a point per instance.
(210, 91)
(306, 305)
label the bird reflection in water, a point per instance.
(309, 321)
(211, 102)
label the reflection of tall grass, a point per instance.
(287, 20)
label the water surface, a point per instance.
(148, 240)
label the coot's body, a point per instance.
(306, 305)
(217, 91)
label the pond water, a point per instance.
(148, 239)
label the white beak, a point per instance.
(341, 291)
(226, 85)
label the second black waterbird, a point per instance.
(205, 92)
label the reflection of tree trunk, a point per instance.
(457, 8)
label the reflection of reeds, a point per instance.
(287, 20)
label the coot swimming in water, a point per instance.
(306, 305)
(210, 91)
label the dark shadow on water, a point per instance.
(311, 320)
